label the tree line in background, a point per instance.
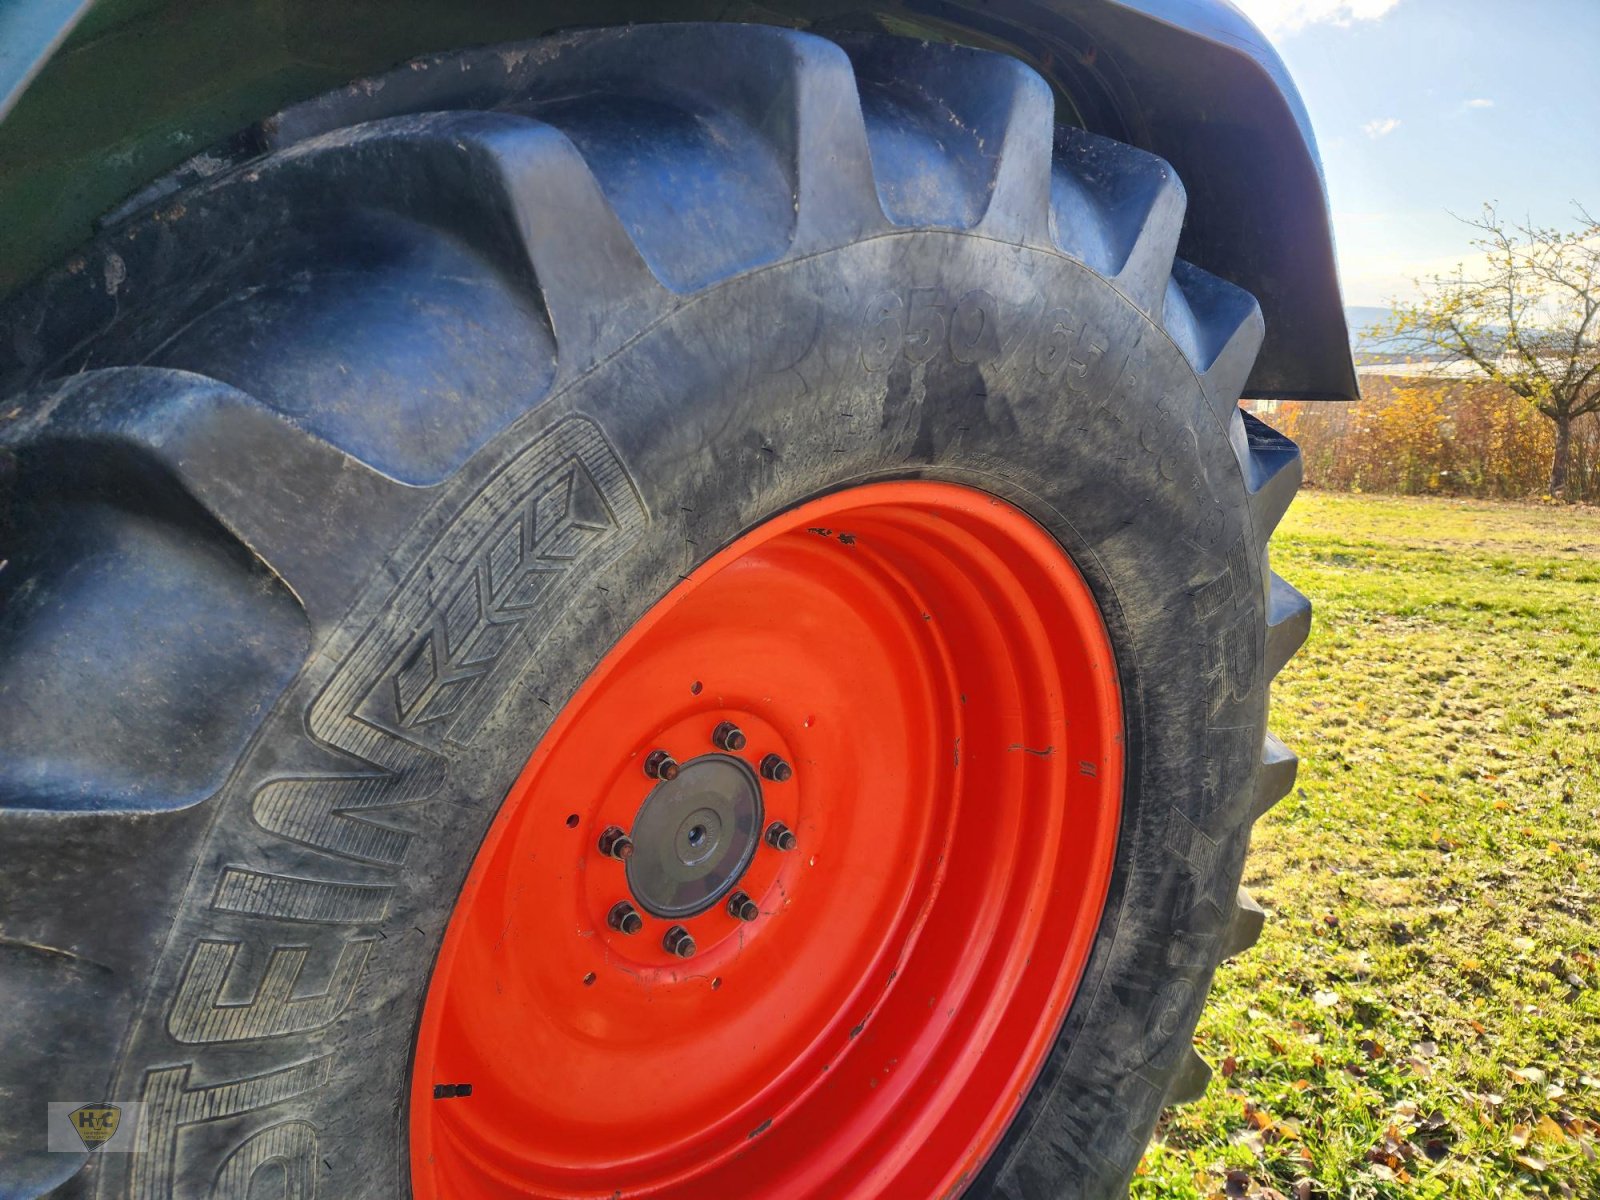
(1500, 394)
(1451, 437)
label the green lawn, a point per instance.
(1422, 1015)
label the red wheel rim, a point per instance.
(938, 675)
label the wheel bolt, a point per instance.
(624, 918)
(661, 765)
(678, 943)
(781, 837)
(775, 769)
(741, 906)
(728, 736)
(614, 843)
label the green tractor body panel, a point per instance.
(101, 99)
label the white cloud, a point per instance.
(1382, 127)
(1278, 18)
(1480, 103)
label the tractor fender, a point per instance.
(98, 98)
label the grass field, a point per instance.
(1422, 1015)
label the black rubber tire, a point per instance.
(331, 476)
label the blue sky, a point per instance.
(1427, 107)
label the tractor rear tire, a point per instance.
(332, 478)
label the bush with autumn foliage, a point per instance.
(1418, 436)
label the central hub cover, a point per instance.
(695, 835)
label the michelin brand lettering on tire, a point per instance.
(469, 613)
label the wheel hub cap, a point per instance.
(695, 835)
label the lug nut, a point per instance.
(614, 843)
(661, 765)
(728, 736)
(781, 837)
(678, 943)
(775, 769)
(624, 918)
(741, 906)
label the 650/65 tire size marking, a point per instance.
(922, 321)
(917, 323)
(418, 684)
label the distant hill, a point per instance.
(1390, 356)
(1360, 318)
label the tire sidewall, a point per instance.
(926, 355)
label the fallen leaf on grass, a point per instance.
(1390, 1174)
(1250, 1139)
(1256, 1117)
(1392, 1153)
(1546, 1130)
(1435, 1127)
